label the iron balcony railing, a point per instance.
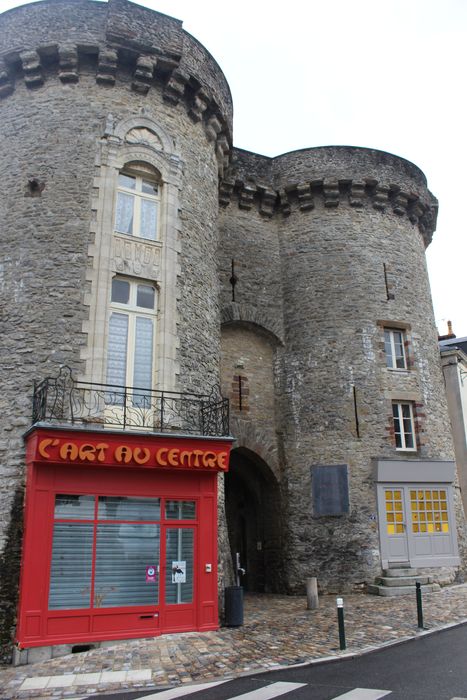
(62, 399)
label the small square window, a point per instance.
(394, 348)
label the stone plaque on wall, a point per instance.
(330, 489)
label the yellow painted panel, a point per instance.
(399, 517)
(428, 494)
(445, 527)
(390, 529)
(435, 494)
(413, 494)
(431, 527)
(389, 495)
(442, 494)
(397, 495)
(444, 517)
(423, 528)
(399, 528)
(398, 506)
(429, 505)
(415, 528)
(444, 505)
(390, 517)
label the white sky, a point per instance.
(385, 74)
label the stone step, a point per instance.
(403, 580)
(387, 591)
(403, 571)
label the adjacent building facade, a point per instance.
(145, 262)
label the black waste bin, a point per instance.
(234, 606)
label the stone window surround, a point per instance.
(401, 419)
(405, 328)
(113, 157)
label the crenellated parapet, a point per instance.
(266, 187)
(128, 44)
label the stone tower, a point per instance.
(328, 250)
(143, 251)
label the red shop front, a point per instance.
(120, 536)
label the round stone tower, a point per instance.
(99, 98)
(330, 305)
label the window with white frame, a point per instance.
(404, 426)
(137, 208)
(394, 348)
(131, 337)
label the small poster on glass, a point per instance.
(179, 572)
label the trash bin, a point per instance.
(234, 606)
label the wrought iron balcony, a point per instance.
(62, 399)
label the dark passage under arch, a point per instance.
(252, 500)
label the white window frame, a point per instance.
(133, 312)
(139, 196)
(391, 359)
(398, 406)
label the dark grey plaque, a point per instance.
(330, 489)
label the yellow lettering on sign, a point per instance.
(123, 453)
(222, 459)
(209, 459)
(44, 444)
(160, 456)
(141, 455)
(69, 450)
(173, 457)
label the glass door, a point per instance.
(179, 552)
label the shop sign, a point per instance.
(98, 451)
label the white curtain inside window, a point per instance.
(124, 215)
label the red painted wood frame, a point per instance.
(109, 464)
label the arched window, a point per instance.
(137, 207)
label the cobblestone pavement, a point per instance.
(278, 630)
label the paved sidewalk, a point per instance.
(278, 631)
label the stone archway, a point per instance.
(253, 510)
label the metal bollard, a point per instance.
(340, 621)
(418, 592)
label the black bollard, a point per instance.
(340, 622)
(418, 591)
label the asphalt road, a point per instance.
(433, 667)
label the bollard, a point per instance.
(340, 622)
(312, 600)
(418, 592)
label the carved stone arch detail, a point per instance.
(255, 440)
(248, 315)
(140, 121)
(167, 165)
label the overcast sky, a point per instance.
(385, 74)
